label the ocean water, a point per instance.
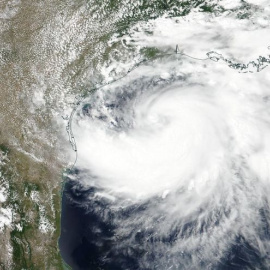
(172, 149)
(88, 240)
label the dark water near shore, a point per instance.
(87, 242)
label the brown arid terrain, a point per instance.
(31, 167)
(51, 51)
(48, 51)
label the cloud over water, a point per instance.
(176, 155)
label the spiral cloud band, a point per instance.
(173, 159)
(178, 151)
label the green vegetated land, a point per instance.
(55, 47)
(31, 196)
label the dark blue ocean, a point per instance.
(88, 239)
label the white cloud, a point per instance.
(192, 133)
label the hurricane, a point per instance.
(173, 158)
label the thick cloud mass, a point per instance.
(174, 158)
(188, 142)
